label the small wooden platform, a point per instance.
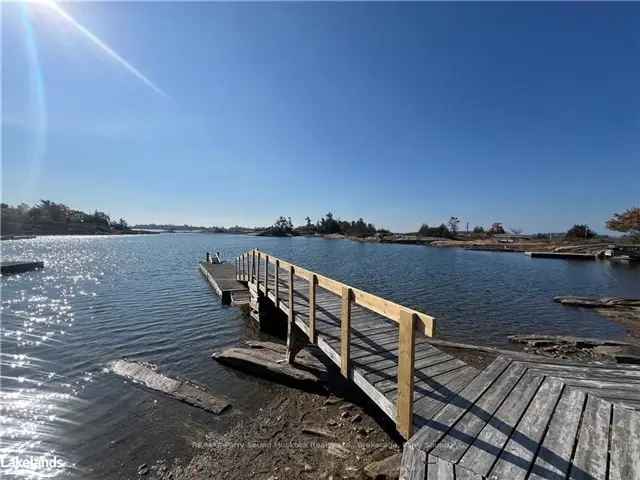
(222, 277)
(8, 268)
(562, 255)
(520, 420)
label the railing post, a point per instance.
(276, 287)
(345, 332)
(290, 320)
(258, 274)
(266, 276)
(406, 357)
(253, 265)
(245, 266)
(313, 282)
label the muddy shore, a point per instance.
(299, 434)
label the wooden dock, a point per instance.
(526, 417)
(222, 277)
(8, 268)
(563, 255)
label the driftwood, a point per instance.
(267, 359)
(185, 391)
(604, 302)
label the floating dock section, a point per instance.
(563, 255)
(9, 268)
(222, 277)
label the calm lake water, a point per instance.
(143, 298)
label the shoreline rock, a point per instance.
(267, 360)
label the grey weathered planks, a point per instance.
(625, 445)
(525, 425)
(554, 454)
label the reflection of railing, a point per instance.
(248, 268)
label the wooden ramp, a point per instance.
(375, 342)
(517, 419)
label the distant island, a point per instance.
(50, 218)
(168, 227)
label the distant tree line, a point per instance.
(47, 217)
(326, 225)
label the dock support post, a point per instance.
(276, 288)
(345, 332)
(291, 343)
(253, 265)
(406, 357)
(258, 274)
(266, 276)
(313, 282)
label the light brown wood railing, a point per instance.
(248, 269)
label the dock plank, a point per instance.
(514, 461)
(625, 444)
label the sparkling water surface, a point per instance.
(142, 297)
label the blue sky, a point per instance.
(400, 113)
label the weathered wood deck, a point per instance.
(518, 418)
(222, 277)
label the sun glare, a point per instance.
(53, 6)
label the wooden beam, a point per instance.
(345, 332)
(312, 308)
(367, 300)
(258, 274)
(266, 276)
(290, 319)
(253, 265)
(406, 357)
(276, 287)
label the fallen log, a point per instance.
(183, 390)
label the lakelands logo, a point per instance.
(33, 463)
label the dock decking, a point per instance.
(526, 417)
(222, 277)
(564, 255)
(518, 420)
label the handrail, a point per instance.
(406, 318)
(372, 302)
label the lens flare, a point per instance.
(102, 45)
